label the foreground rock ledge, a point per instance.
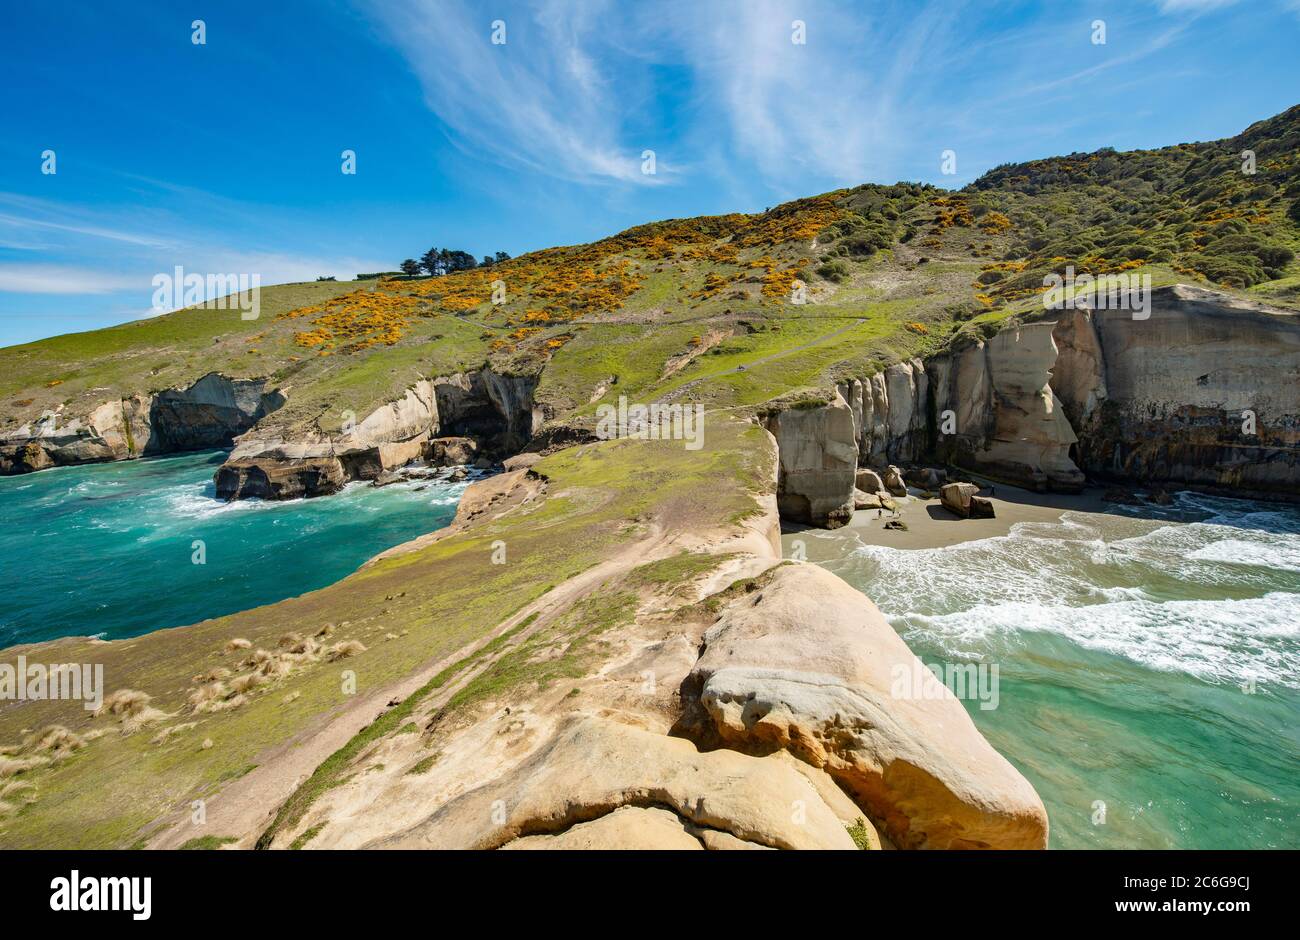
(812, 667)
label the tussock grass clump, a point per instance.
(246, 683)
(272, 669)
(163, 736)
(131, 708)
(258, 657)
(13, 766)
(54, 739)
(207, 698)
(238, 644)
(222, 696)
(345, 649)
(11, 789)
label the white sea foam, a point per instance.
(1217, 599)
(1227, 641)
(1258, 553)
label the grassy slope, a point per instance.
(445, 596)
(915, 263)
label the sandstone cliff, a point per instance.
(209, 413)
(1203, 392)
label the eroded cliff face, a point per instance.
(1204, 392)
(1017, 428)
(819, 459)
(276, 463)
(210, 413)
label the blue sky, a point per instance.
(226, 157)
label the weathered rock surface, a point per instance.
(894, 481)
(444, 420)
(628, 827)
(592, 767)
(521, 461)
(1031, 437)
(963, 499)
(450, 451)
(280, 479)
(818, 463)
(810, 666)
(210, 413)
(1204, 391)
(869, 481)
(863, 500)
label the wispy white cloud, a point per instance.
(82, 252)
(61, 279)
(836, 105)
(540, 100)
(560, 95)
(42, 214)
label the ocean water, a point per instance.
(108, 549)
(1149, 664)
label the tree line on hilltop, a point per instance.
(437, 262)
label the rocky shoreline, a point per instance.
(1076, 395)
(1175, 399)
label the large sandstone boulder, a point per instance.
(818, 463)
(279, 479)
(869, 481)
(963, 499)
(811, 666)
(450, 451)
(863, 500)
(894, 481)
(593, 767)
(521, 461)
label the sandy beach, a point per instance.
(930, 525)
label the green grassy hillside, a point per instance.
(704, 309)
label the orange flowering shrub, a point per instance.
(952, 212)
(995, 223)
(561, 284)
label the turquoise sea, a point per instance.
(1149, 659)
(1149, 664)
(109, 549)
